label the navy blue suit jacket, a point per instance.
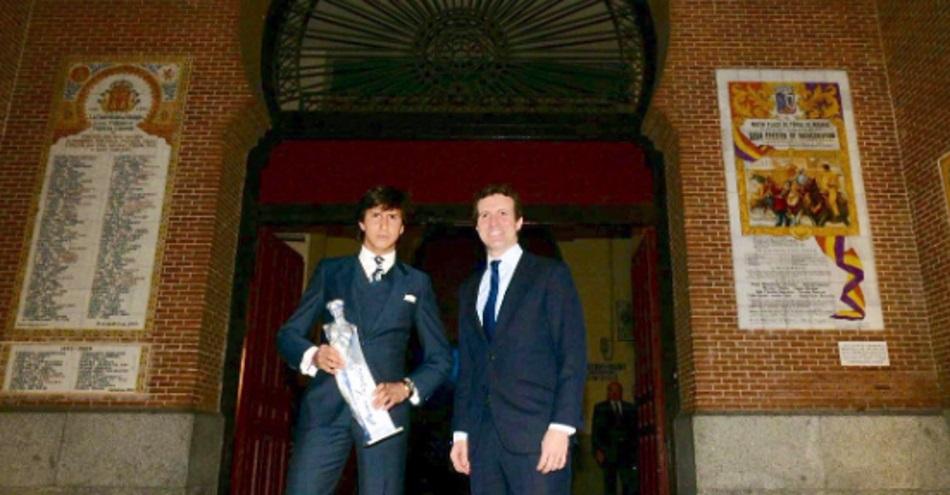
(384, 341)
(533, 371)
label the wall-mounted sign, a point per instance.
(98, 229)
(74, 368)
(802, 251)
(863, 354)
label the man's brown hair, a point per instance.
(387, 197)
(491, 190)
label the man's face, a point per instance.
(614, 391)
(381, 229)
(497, 226)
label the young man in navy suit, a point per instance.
(385, 299)
(522, 362)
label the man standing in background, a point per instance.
(614, 440)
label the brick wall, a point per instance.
(664, 137)
(916, 38)
(13, 21)
(723, 368)
(251, 33)
(220, 124)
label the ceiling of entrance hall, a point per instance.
(498, 56)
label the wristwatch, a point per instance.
(410, 386)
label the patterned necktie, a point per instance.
(378, 273)
(488, 312)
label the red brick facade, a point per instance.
(14, 17)
(221, 122)
(916, 37)
(882, 45)
(722, 368)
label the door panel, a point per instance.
(265, 393)
(651, 412)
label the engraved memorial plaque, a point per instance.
(73, 368)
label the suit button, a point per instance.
(491, 357)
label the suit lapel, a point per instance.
(471, 302)
(520, 281)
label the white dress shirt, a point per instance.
(367, 260)
(509, 260)
(506, 269)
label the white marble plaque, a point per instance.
(863, 354)
(97, 231)
(73, 368)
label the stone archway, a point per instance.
(455, 47)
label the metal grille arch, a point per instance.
(456, 56)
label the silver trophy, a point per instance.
(354, 379)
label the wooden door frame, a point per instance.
(254, 215)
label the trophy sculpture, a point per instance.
(354, 379)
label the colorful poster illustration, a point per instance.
(97, 233)
(802, 250)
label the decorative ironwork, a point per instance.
(458, 56)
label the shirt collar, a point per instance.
(368, 262)
(509, 259)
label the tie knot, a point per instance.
(378, 260)
(494, 265)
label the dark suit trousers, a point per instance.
(381, 467)
(628, 478)
(496, 471)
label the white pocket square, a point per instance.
(409, 298)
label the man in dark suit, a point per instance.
(385, 299)
(522, 362)
(614, 440)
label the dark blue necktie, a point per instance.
(488, 313)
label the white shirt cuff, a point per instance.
(414, 399)
(570, 430)
(306, 364)
(461, 436)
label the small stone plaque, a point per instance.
(73, 368)
(863, 354)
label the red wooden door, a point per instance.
(651, 412)
(265, 393)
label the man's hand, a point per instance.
(459, 456)
(553, 451)
(328, 359)
(599, 456)
(389, 394)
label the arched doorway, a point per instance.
(426, 72)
